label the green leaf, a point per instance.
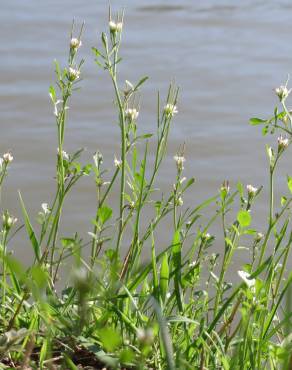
(69, 362)
(110, 339)
(126, 356)
(104, 214)
(189, 183)
(289, 183)
(40, 277)
(145, 136)
(244, 218)
(58, 70)
(261, 268)
(30, 231)
(283, 200)
(240, 189)
(265, 130)
(256, 121)
(52, 94)
(96, 52)
(164, 277)
(104, 40)
(141, 82)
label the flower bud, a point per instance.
(259, 237)
(224, 190)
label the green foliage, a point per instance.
(118, 298)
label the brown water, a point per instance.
(227, 56)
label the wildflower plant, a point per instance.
(178, 309)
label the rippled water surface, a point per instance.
(226, 56)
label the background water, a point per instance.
(226, 56)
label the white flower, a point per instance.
(180, 201)
(170, 110)
(259, 237)
(45, 208)
(75, 43)
(117, 162)
(1, 163)
(8, 157)
(283, 142)
(207, 236)
(132, 114)
(8, 220)
(115, 26)
(282, 92)
(73, 74)
(65, 155)
(251, 190)
(179, 160)
(245, 277)
(98, 159)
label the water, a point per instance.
(226, 56)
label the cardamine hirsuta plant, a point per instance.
(175, 310)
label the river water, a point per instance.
(226, 56)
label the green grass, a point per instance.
(179, 310)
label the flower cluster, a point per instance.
(179, 160)
(170, 110)
(8, 221)
(132, 114)
(73, 74)
(282, 92)
(115, 26)
(251, 190)
(45, 208)
(75, 43)
(7, 157)
(283, 142)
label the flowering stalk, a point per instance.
(66, 81)
(8, 222)
(163, 125)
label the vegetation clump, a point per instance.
(178, 310)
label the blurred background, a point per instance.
(226, 56)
